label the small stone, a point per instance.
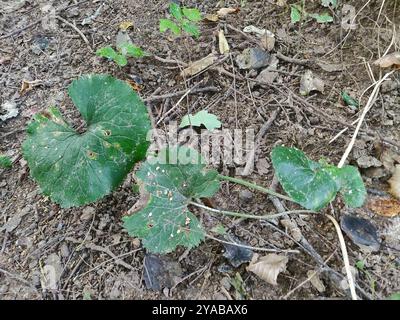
(245, 195)
(253, 58)
(389, 85)
(366, 161)
(64, 251)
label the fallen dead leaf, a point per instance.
(4, 59)
(268, 40)
(211, 17)
(390, 60)
(225, 11)
(394, 182)
(199, 65)
(309, 83)
(316, 281)
(387, 207)
(268, 267)
(125, 25)
(222, 43)
(27, 86)
(8, 110)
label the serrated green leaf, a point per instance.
(107, 52)
(322, 18)
(295, 14)
(5, 162)
(348, 100)
(175, 10)
(120, 60)
(172, 179)
(192, 14)
(219, 229)
(166, 24)
(209, 120)
(75, 169)
(327, 3)
(314, 184)
(191, 28)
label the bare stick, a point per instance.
(371, 100)
(345, 257)
(179, 93)
(250, 159)
(76, 29)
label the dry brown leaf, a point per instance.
(316, 280)
(394, 182)
(125, 25)
(211, 17)
(269, 267)
(4, 59)
(222, 43)
(391, 59)
(387, 207)
(199, 65)
(27, 86)
(225, 11)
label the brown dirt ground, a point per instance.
(87, 272)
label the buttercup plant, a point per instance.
(74, 168)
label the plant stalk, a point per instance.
(255, 187)
(250, 216)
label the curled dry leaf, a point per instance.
(269, 267)
(125, 25)
(390, 60)
(387, 207)
(394, 182)
(309, 83)
(211, 17)
(225, 11)
(27, 86)
(222, 43)
(199, 65)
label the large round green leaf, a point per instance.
(172, 180)
(75, 169)
(315, 184)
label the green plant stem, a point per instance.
(250, 216)
(255, 187)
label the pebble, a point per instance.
(245, 195)
(87, 213)
(253, 58)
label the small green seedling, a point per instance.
(208, 120)
(349, 100)
(298, 12)
(186, 19)
(5, 162)
(125, 51)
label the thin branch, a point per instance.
(345, 257)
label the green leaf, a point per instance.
(107, 52)
(360, 264)
(314, 184)
(166, 24)
(192, 14)
(175, 11)
(395, 296)
(322, 18)
(327, 3)
(120, 60)
(348, 100)
(202, 117)
(191, 28)
(132, 50)
(5, 162)
(78, 168)
(219, 229)
(172, 179)
(352, 187)
(295, 14)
